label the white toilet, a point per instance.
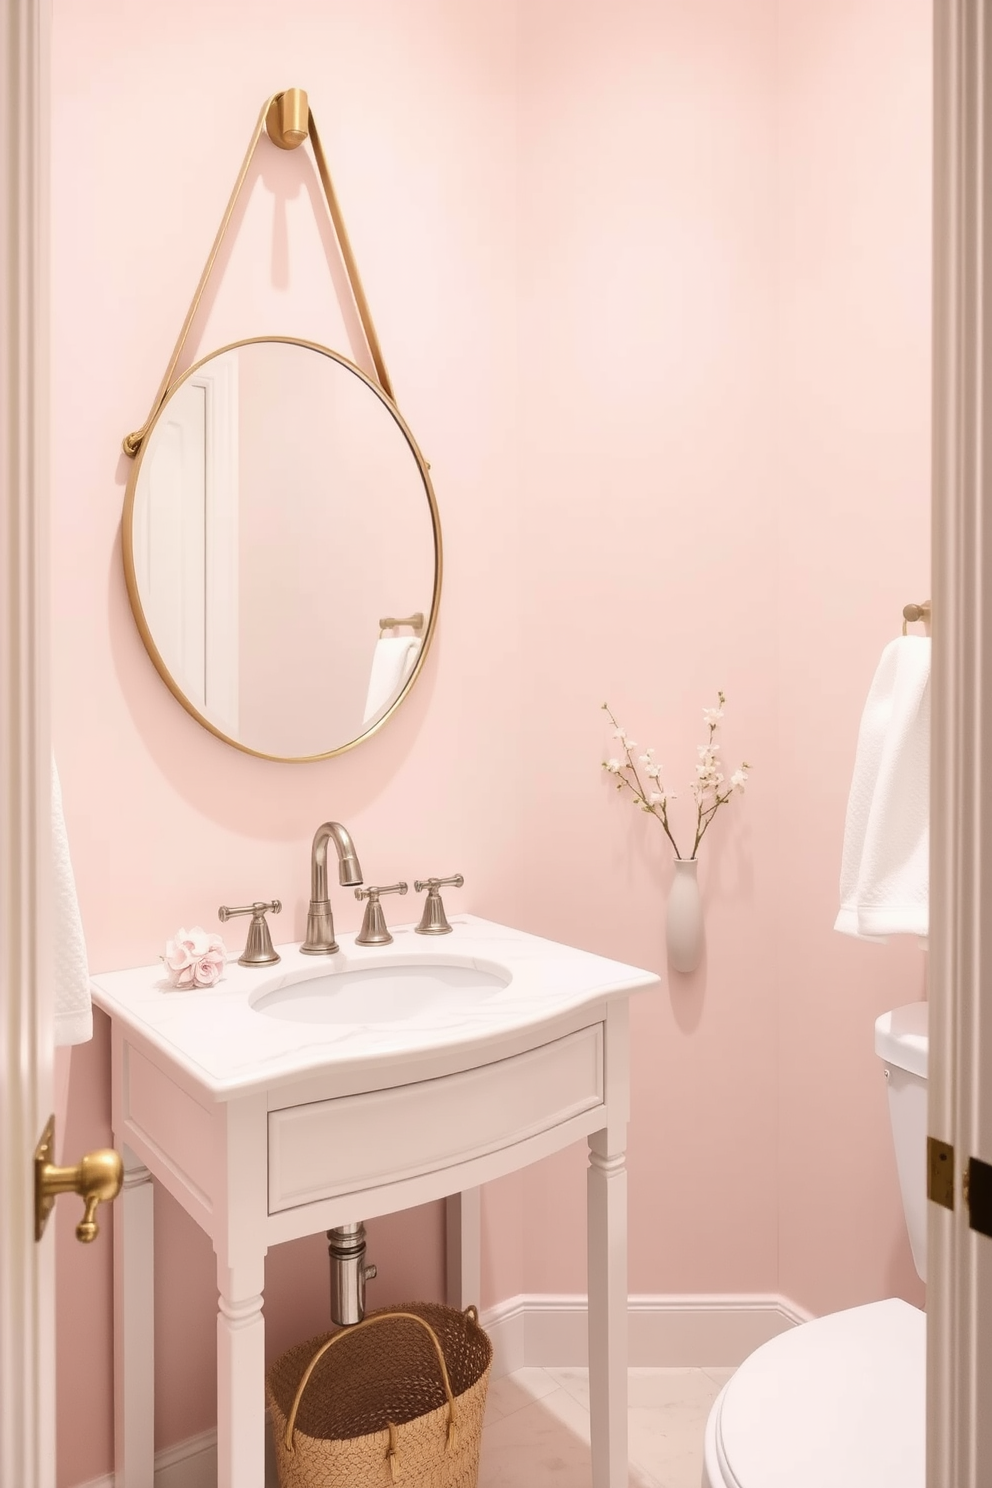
(841, 1402)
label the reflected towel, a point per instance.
(884, 885)
(392, 662)
(73, 1006)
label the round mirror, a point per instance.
(282, 549)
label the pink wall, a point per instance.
(726, 437)
(649, 194)
(653, 289)
(853, 452)
(165, 822)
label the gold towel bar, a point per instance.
(389, 622)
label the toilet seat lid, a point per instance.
(840, 1400)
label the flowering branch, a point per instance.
(706, 788)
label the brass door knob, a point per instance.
(97, 1179)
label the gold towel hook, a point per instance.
(913, 612)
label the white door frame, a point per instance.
(27, 1368)
(959, 1292)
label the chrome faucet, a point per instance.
(320, 922)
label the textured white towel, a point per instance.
(392, 662)
(73, 1007)
(884, 883)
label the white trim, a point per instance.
(550, 1330)
(959, 1262)
(665, 1331)
(189, 1464)
(27, 1368)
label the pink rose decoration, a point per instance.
(194, 959)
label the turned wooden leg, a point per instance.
(134, 1328)
(607, 1234)
(463, 1247)
(240, 1378)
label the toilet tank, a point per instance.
(902, 1043)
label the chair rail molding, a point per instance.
(959, 1295)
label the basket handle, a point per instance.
(381, 1317)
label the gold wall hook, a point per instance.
(286, 122)
(913, 612)
(97, 1179)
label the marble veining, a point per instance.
(229, 1048)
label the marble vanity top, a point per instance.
(230, 1049)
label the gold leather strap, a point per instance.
(268, 118)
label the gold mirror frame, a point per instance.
(127, 531)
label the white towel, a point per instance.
(884, 884)
(73, 1006)
(392, 662)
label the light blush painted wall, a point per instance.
(687, 393)
(153, 108)
(725, 426)
(853, 455)
(648, 291)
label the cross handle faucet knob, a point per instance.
(259, 950)
(374, 931)
(434, 921)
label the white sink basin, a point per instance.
(365, 1008)
(391, 993)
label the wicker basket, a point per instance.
(397, 1399)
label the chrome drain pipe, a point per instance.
(349, 1273)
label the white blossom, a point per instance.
(705, 788)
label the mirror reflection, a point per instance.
(282, 549)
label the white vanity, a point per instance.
(323, 1091)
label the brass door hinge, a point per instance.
(976, 1184)
(940, 1172)
(978, 1195)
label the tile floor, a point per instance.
(537, 1428)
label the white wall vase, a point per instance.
(684, 920)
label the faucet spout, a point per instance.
(320, 939)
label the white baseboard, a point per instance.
(189, 1464)
(665, 1331)
(548, 1330)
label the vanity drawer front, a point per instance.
(332, 1147)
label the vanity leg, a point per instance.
(240, 1378)
(134, 1328)
(463, 1248)
(607, 1240)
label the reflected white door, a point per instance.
(170, 541)
(185, 540)
(27, 1375)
